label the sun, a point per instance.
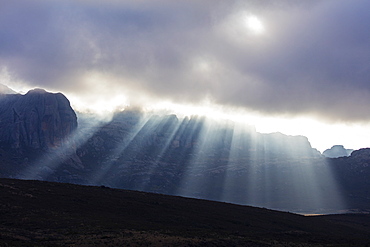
(254, 24)
(244, 28)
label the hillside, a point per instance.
(36, 213)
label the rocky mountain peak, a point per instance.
(38, 119)
(362, 154)
(337, 151)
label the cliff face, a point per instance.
(38, 120)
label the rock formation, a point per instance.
(38, 120)
(337, 151)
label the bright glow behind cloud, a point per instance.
(8, 80)
(254, 24)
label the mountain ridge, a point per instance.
(192, 157)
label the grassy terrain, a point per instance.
(36, 213)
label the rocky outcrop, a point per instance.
(38, 120)
(37, 137)
(337, 151)
(361, 156)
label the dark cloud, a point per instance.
(314, 57)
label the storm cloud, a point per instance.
(312, 58)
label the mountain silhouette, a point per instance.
(192, 156)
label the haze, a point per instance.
(298, 67)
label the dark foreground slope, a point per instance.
(35, 213)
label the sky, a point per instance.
(298, 67)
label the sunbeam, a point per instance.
(233, 163)
(166, 128)
(197, 157)
(240, 183)
(136, 124)
(284, 173)
(49, 162)
(210, 154)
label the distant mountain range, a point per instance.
(193, 156)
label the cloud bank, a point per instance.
(312, 58)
